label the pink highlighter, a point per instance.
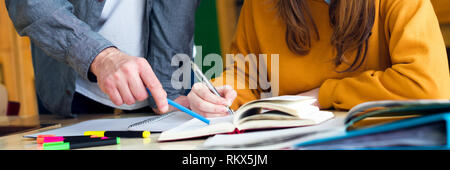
(72, 139)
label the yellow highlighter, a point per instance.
(122, 134)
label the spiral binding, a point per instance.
(153, 119)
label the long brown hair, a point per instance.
(351, 20)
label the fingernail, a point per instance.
(224, 110)
(165, 108)
(220, 110)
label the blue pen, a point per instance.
(185, 110)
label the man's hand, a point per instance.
(206, 103)
(125, 78)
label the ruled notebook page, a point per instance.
(161, 123)
(196, 128)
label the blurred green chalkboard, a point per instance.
(206, 28)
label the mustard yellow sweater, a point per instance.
(406, 56)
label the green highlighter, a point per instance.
(77, 145)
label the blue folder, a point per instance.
(429, 132)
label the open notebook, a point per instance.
(161, 123)
(270, 113)
(149, 123)
(372, 124)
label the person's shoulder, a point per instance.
(402, 5)
(412, 2)
(393, 11)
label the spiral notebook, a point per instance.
(149, 123)
(161, 123)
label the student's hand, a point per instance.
(124, 78)
(182, 100)
(206, 103)
(312, 93)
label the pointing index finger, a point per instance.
(154, 87)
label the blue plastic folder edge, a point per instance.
(392, 126)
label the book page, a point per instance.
(273, 139)
(268, 121)
(287, 98)
(391, 103)
(302, 109)
(360, 110)
(196, 128)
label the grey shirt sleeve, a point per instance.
(53, 27)
(171, 32)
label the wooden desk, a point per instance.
(18, 142)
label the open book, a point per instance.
(371, 124)
(270, 113)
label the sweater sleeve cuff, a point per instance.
(326, 94)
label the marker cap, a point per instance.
(43, 136)
(40, 138)
(58, 146)
(53, 139)
(95, 133)
(117, 140)
(145, 134)
(52, 143)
